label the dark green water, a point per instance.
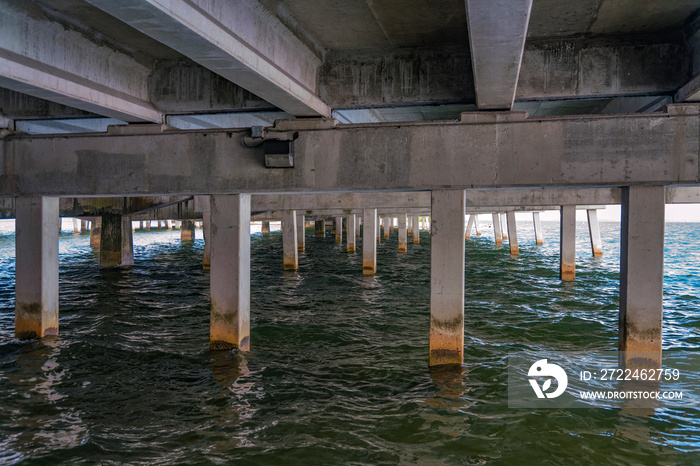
(338, 367)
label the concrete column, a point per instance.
(539, 238)
(96, 232)
(349, 236)
(416, 229)
(289, 240)
(339, 229)
(301, 233)
(409, 226)
(319, 228)
(265, 227)
(206, 232)
(148, 225)
(567, 244)
(594, 231)
(468, 229)
(169, 224)
(497, 233)
(369, 246)
(76, 225)
(83, 225)
(116, 241)
(512, 234)
(504, 223)
(186, 231)
(36, 266)
(403, 236)
(447, 277)
(387, 226)
(358, 224)
(230, 272)
(477, 227)
(641, 269)
(379, 229)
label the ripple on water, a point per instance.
(338, 367)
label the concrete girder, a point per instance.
(44, 59)
(497, 32)
(550, 152)
(690, 92)
(246, 45)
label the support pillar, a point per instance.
(379, 229)
(512, 234)
(358, 224)
(349, 236)
(504, 223)
(539, 238)
(148, 225)
(206, 232)
(387, 226)
(289, 240)
(641, 270)
(477, 227)
(169, 224)
(230, 272)
(468, 229)
(319, 228)
(594, 231)
(403, 236)
(265, 227)
(497, 233)
(416, 229)
(83, 225)
(339, 229)
(36, 266)
(116, 241)
(567, 244)
(301, 233)
(96, 232)
(186, 231)
(369, 247)
(447, 277)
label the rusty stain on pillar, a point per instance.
(230, 272)
(567, 245)
(96, 232)
(36, 266)
(186, 231)
(447, 277)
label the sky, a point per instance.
(674, 213)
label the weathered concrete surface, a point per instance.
(18, 106)
(497, 234)
(349, 234)
(369, 245)
(497, 31)
(319, 229)
(376, 77)
(512, 233)
(594, 233)
(447, 278)
(416, 229)
(43, 58)
(96, 232)
(567, 243)
(230, 272)
(206, 232)
(116, 241)
(596, 151)
(289, 241)
(539, 237)
(301, 233)
(183, 86)
(641, 269)
(187, 231)
(246, 45)
(36, 267)
(616, 66)
(265, 227)
(403, 233)
(470, 225)
(338, 229)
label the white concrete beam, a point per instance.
(243, 43)
(593, 151)
(497, 31)
(45, 59)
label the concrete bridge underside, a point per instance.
(144, 109)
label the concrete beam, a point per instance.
(592, 151)
(43, 58)
(246, 45)
(497, 31)
(690, 92)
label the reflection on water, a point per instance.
(338, 368)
